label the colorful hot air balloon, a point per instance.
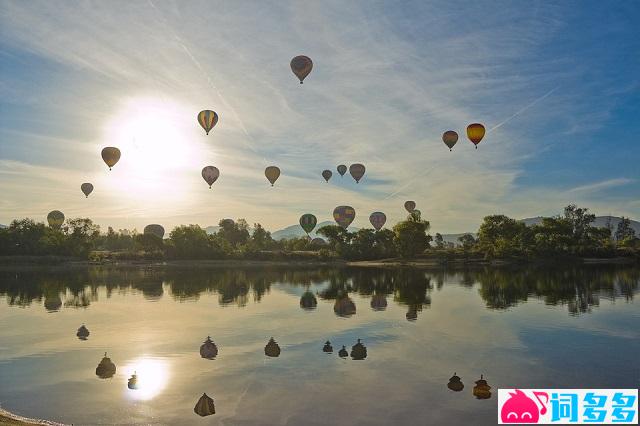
(357, 171)
(207, 119)
(326, 174)
(378, 220)
(110, 155)
(342, 169)
(86, 189)
(154, 229)
(210, 174)
(272, 173)
(308, 222)
(301, 66)
(410, 206)
(450, 138)
(55, 219)
(475, 133)
(344, 215)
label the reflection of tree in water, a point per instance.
(579, 288)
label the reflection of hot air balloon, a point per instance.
(154, 229)
(455, 384)
(272, 173)
(327, 347)
(301, 66)
(482, 390)
(204, 406)
(318, 242)
(357, 171)
(342, 353)
(210, 174)
(344, 307)
(475, 133)
(83, 332)
(378, 302)
(377, 219)
(86, 189)
(344, 215)
(132, 383)
(342, 169)
(450, 138)
(106, 369)
(308, 301)
(208, 350)
(326, 174)
(308, 222)
(55, 219)
(272, 349)
(52, 303)
(412, 313)
(410, 206)
(358, 351)
(110, 155)
(207, 119)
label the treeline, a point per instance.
(568, 235)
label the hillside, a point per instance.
(600, 222)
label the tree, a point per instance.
(467, 241)
(191, 242)
(82, 235)
(500, 236)
(439, 240)
(235, 233)
(624, 230)
(410, 236)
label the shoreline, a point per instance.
(8, 418)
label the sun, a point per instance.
(152, 375)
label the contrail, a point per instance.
(523, 109)
(397, 191)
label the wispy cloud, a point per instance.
(605, 184)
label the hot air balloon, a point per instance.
(272, 173)
(132, 383)
(318, 242)
(455, 384)
(308, 222)
(358, 351)
(327, 348)
(210, 174)
(326, 174)
(105, 369)
(204, 406)
(378, 220)
(475, 133)
(110, 155)
(208, 350)
(308, 301)
(86, 189)
(55, 219)
(342, 353)
(342, 169)
(207, 119)
(83, 332)
(450, 138)
(410, 206)
(272, 349)
(357, 171)
(344, 215)
(482, 390)
(154, 229)
(301, 66)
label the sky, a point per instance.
(557, 85)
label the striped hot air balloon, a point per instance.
(308, 222)
(207, 119)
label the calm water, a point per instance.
(538, 327)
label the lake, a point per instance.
(528, 327)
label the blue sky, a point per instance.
(556, 83)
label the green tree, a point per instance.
(624, 230)
(467, 242)
(439, 241)
(501, 236)
(410, 236)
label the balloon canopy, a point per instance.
(154, 229)
(308, 222)
(86, 189)
(55, 218)
(210, 174)
(377, 219)
(450, 138)
(342, 169)
(301, 66)
(475, 133)
(272, 173)
(207, 119)
(204, 406)
(326, 174)
(110, 155)
(344, 215)
(410, 206)
(357, 171)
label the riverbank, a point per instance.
(7, 418)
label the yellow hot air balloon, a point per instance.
(110, 155)
(86, 189)
(475, 133)
(207, 119)
(357, 171)
(272, 173)
(450, 138)
(301, 66)
(55, 219)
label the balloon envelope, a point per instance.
(301, 66)
(154, 229)
(450, 138)
(308, 222)
(357, 171)
(326, 174)
(110, 155)
(410, 206)
(377, 219)
(344, 215)
(55, 219)
(342, 169)
(272, 173)
(475, 133)
(207, 119)
(210, 174)
(86, 188)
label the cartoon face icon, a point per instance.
(519, 408)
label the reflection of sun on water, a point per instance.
(153, 376)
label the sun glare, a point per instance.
(152, 375)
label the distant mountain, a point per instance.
(599, 222)
(211, 229)
(453, 238)
(295, 231)
(3, 226)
